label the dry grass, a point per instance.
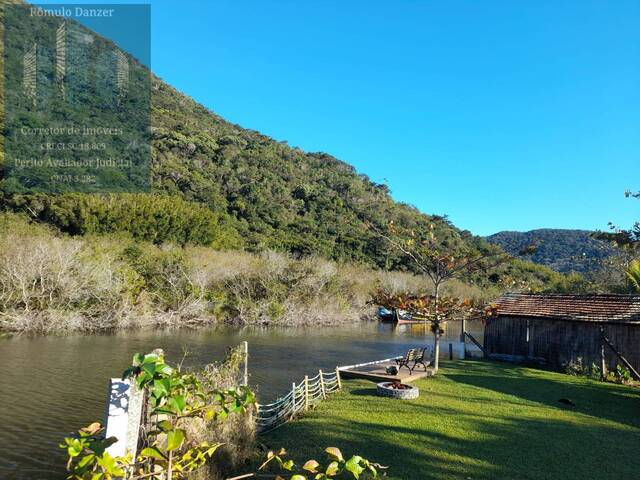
(237, 432)
(54, 283)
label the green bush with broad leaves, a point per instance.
(622, 374)
(88, 458)
(337, 466)
(176, 398)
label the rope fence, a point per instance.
(300, 398)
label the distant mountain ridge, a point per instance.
(559, 249)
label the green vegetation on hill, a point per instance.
(261, 194)
(216, 184)
(154, 218)
(561, 250)
(480, 420)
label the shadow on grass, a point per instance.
(519, 450)
(547, 388)
(364, 392)
(514, 435)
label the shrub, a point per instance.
(153, 218)
(40, 271)
(577, 368)
(622, 374)
(52, 281)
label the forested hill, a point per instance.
(259, 192)
(561, 250)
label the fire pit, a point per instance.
(397, 390)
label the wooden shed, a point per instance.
(557, 329)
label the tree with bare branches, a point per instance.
(439, 261)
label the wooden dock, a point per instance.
(376, 371)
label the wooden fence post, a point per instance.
(338, 378)
(293, 399)
(324, 393)
(245, 373)
(306, 392)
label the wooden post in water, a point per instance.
(450, 351)
(338, 378)
(324, 393)
(306, 392)
(245, 373)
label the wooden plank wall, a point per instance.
(560, 341)
(506, 335)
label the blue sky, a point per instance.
(504, 115)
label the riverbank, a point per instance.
(52, 282)
(480, 420)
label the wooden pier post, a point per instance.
(324, 393)
(338, 378)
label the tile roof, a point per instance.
(586, 308)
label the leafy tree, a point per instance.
(633, 275)
(628, 243)
(436, 309)
(624, 238)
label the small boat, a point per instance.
(399, 316)
(404, 321)
(385, 315)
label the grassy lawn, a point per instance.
(480, 420)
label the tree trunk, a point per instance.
(436, 348)
(436, 333)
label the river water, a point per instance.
(51, 386)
